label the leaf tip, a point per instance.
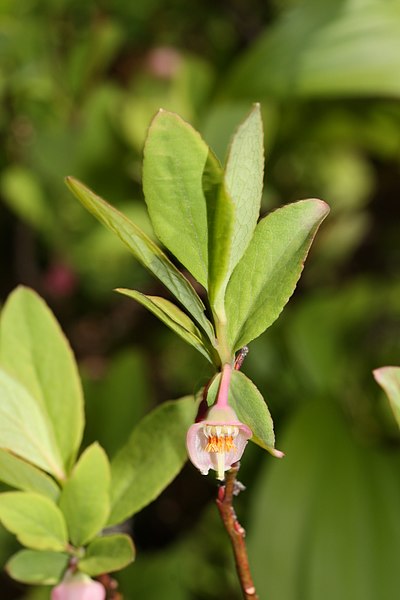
(277, 453)
(379, 373)
(323, 206)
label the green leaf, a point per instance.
(106, 554)
(266, 276)
(176, 320)
(37, 567)
(19, 474)
(389, 379)
(244, 176)
(152, 457)
(35, 351)
(250, 407)
(25, 429)
(176, 160)
(334, 497)
(221, 218)
(324, 49)
(145, 251)
(36, 521)
(189, 207)
(85, 500)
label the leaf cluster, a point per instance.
(59, 504)
(207, 217)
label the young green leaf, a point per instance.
(152, 457)
(36, 521)
(266, 276)
(221, 218)
(37, 567)
(106, 554)
(244, 176)
(176, 320)
(19, 474)
(145, 251)
(34, 350)
(250, 407)
(85, 500)
(176, 160)
(389, 379)
(24, 428)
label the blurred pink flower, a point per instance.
(217, 441)
(78, 587)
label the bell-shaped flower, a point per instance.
(217, 441)
(78, 586)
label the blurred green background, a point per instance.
(79, 83)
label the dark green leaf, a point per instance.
(144, 250)
(176, 320)
(221, 219)
(244, 175)
(175, 162)
(266, 276)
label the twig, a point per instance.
(235, 531)
(111, 586)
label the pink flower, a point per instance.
(217, 441)
(78, 587)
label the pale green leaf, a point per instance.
(177, 320)
(34, 350)
(152, 457)
(250, 407)
(266, 276)
(36, 521)
(19, 474)
(24, 428)
(244, 176)
(145, 251)
(324, 49)
(107, 554)
(37, 567)
(389, 379)
(85, 498)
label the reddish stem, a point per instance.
(111, 586)
(236, 532)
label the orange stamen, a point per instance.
(224, 443)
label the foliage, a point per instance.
(66, 514)
(79, 85)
